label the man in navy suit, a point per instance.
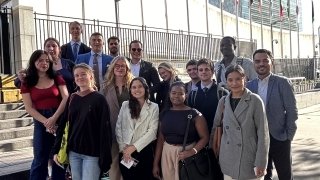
(142, 68)
(75, 47)
(279, 100)
(103, 60)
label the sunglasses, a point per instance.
(111, 44)
(136, 49)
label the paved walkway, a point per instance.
(305, 147)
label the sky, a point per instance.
(104, 10)
(306, 10)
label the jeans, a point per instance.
(84, 167)
(42, 144)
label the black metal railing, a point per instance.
(159, 44)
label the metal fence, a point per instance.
(303, 67)
(159, 44)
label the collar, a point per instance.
(139, 62)
(208, 86)
(99, 54)
(72, 42)
(265, 79)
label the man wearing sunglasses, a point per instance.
(142, 68)
(75, 47)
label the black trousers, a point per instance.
(280, 155)
(143, 170)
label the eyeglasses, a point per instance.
(111, 44)
(117, 66)
(136, 49)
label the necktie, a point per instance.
(96, 70)
(75, 50)
(205, 89)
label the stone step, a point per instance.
(15, 123)
(12, 133)
(15, 161)
(13, 114)
(15, 144)
(11, 106)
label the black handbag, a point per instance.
(197, 166)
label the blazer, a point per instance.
(281, 107)
(67, 53)
(106, 60)
(138, 132)
(114, 106)
(245, 137)
(150, 74)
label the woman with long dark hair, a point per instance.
(44, 95)
(136, 128)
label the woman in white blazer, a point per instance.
(136, 128)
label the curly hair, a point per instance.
(134, 105)
(32, 76)
(110, 77)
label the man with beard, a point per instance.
(75, 47)
(192, 71)
(279, 100)
(227, 48)
(113, 46)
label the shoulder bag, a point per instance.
(197, 166)
(62, 155)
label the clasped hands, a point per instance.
(49, 123)
(127, 151)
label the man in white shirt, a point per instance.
(142, 68)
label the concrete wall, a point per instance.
(308, 99)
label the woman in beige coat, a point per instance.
(116, 91)
(244, 146)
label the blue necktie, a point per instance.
(75, 50)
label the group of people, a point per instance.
(125, 121)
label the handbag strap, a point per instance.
(222, 110)
(187, 131)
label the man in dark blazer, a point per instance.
(279, 100)
(96, 43)
(142, 68)
(75, 47)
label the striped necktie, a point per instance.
(96, 70)
(75, 51)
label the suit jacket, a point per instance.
(150, 74)
(138, 132)
(245, 137)
(67, 53)
(106, 60)
(281, 107)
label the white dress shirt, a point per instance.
(263, 89)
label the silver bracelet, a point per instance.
(195, 150)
